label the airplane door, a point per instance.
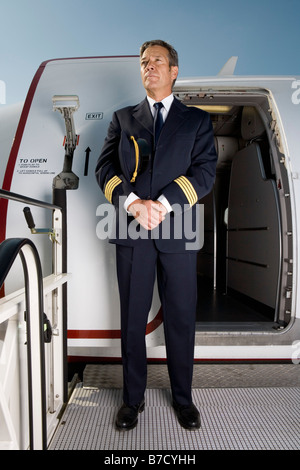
(102, 86)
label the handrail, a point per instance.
(9, 250)
(27, 200)
(43, 415)
(59, 195)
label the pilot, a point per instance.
(157, 162)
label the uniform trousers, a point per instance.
(137, 268)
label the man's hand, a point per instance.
(148, 213)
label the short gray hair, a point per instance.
(173, 56)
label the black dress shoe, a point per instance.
(127, 416)
(188, 416)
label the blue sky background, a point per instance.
(265, 34)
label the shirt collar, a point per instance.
(166, 102)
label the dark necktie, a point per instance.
(158, 121)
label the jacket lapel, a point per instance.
(175, 119)
(143, 115)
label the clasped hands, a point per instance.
(149, 214)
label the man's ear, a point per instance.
(174, 72)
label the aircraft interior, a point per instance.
(243, 279)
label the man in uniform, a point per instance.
(158, 198)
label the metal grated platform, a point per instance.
(232, 419)
(252, 417)
(205, 375)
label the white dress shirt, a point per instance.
(164, 110)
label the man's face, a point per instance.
(157, 75)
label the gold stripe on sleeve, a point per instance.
(110, 186)
(188, 189)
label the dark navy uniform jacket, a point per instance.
(182, 168)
